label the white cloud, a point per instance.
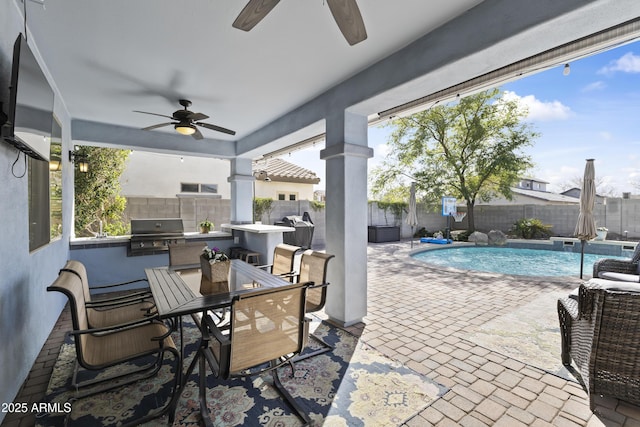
(628, 63)
(541, 110)
(382, 150)
(597, 85)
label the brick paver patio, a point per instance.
(420, 316)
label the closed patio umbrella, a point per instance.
(586, 226)
(412, 216)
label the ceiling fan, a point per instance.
(185, 121)
(345, 12)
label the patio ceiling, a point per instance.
(275, 84)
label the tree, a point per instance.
(97, 192)
(471, 150)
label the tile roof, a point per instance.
(283, 171)
(545, 195)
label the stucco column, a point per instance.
(241, 181)
(346, 155)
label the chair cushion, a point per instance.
(620, 277)
(615, 285)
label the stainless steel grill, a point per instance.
(150, 236)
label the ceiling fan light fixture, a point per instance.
(185, 129)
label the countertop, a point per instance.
(257, 228)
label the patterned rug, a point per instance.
(353, 385)
(530, 334)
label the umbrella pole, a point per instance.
(412, 236)
(581, 257)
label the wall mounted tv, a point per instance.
(30, 115)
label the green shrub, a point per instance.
(423, 232)
(531, 228)
(460, 236)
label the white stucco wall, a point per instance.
(273, 188)
(159, 175)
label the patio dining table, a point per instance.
(174, 299)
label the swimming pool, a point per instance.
(523, 262)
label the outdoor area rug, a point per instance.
(353, 385)
(530, 334)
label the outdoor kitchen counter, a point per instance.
(107, 260)
(261, 238)
(124, 240)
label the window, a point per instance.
(188, 188)
(39, 218)
(288, 196)
(209, 188)
(55, 181)
(45, 193)
(198, 188)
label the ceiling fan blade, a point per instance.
(157, 126)
(253, 13)
(349, 20)
(216, 128)
(154, 114)
(197, 134)
(197, 116)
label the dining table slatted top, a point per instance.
(173, 297)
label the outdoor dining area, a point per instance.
(246, 320)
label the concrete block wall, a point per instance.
(620, 216)
(192, 210)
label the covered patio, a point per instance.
(105, 60)
(424, 317)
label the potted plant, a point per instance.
(601, 233)
(206, 226)
(215, 265)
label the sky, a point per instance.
(594, 112)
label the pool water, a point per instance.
(523, 262)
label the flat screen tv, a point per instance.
(30, 115)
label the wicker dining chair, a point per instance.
(272, 335)
(600, 332)
(111, 310)
(101, 348)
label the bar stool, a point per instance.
(251, 257)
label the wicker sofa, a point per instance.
(600, 329)
(618, 269)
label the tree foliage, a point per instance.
(97, 192)
(471, 150)
(262, 205)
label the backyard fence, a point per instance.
(620, 216)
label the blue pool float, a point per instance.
(434, 240)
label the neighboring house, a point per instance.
(532, 191)
(156, 175)
(319, 195)
(575, 192)
(162, 175)
(286, 181)
(532, 184)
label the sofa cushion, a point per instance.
(620, 277)
(615, 285)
